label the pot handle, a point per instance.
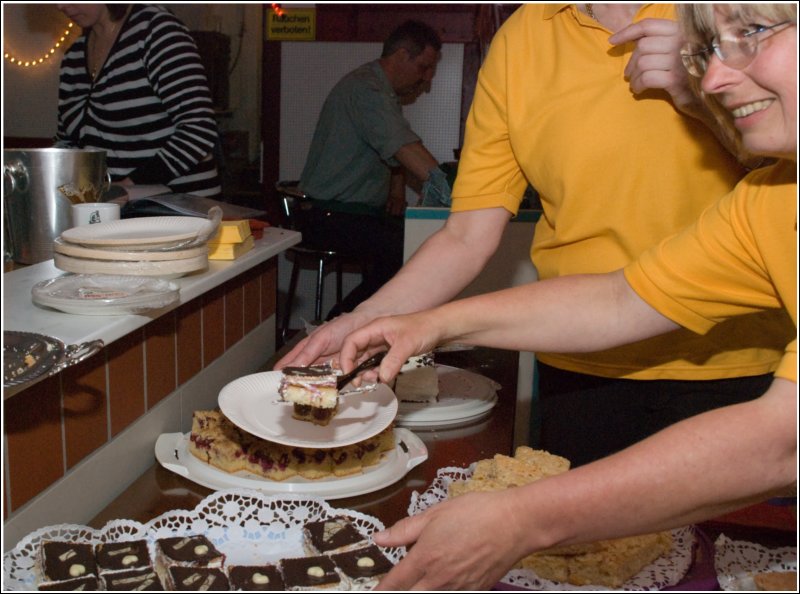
(107, 184)
(15, 174)
(75, 353)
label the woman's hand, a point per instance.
(469, 542)
(656, 61)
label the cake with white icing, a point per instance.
(418, 380)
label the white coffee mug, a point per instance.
(89, 213)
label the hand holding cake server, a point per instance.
(739, 258)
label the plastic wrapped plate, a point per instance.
(105, 295)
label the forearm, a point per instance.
(579, 313)
(443, 265)
(417, 159)
(694, 470)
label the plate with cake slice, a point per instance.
(460, 397)
(254, 403)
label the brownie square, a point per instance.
(86, 584)
(333, 535)
(62, 560)
(255, 577)
(188, 551)
(363, 567)
(310, 573)
(115, 556)
(142, 579)
(195, 579)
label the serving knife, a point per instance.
(373, 361)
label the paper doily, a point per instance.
(662, 573)
(248, 526)
(736, 562)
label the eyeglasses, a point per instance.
(736, 52)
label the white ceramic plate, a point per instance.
(165, 269)
(173, 454)
(464, 396)
(105, 295)
(252, 402)
(72, 249)
(141, 232)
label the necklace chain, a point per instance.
(589, 11)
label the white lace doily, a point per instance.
(248, 526)
(737, 561)
(662, 573)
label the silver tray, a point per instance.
(28, 356)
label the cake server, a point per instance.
(373, 361)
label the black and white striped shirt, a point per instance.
(149, 108)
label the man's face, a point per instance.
(415, 74)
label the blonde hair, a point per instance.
(699, 26)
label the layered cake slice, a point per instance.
(117, 556)
(418, 380)
(187, 551)
(311, 573)
(312, 390)
(255, 578)
(60, 561)
(81, 584)
(363, 568)
(332, 535)
(133, 580)
(197, 579)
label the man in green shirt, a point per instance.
(362, 143)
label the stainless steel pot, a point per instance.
(39, 185)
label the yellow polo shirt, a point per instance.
(739, 258)
(616, 173)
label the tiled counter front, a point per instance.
(74, 440)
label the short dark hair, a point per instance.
(413, 36)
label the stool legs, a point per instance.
(320, 286)
(321, 261)
(287, 314)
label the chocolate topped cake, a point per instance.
(334, 535)
(312, 390)
(188, 551)
(115, 556)
(255, 578)
(197, 579)
(85, 584)
(310, 573)
(66, 560)
(139, 580)
(418, 380)
(363, 567)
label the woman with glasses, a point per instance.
(738, 259)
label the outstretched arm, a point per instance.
(580, 313)
(694, 470)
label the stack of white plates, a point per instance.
(166, 247)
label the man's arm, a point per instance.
(417, 159)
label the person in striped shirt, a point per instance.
(134, 86)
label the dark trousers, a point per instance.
(375, 242)
(584, 417)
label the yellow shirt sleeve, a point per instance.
(740, 258)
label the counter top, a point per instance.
(21, 314)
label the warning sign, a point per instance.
(295, 24)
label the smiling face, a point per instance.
(762, 96)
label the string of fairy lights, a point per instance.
(33, 62)
(30, 63)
